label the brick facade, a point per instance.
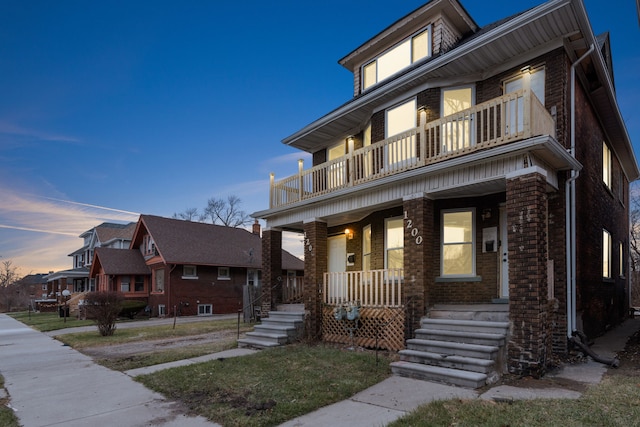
(315, 265)
(529, 344)
(271, 270)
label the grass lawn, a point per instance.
(613, 402)
(7, 416)
(45, 322)
(82, 340)
(271, 386)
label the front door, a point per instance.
(337, 264)
(503, 255)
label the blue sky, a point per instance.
(115, 108)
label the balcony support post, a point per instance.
(271, 270)
(423, 137)
(315, 265)
(300, 179)
(418, 258)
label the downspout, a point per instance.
(570, 209)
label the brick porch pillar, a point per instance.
(530, 340)
(315, 265)
(418, 259)
(271, 270)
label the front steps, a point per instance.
(459, 345)
(280, 328)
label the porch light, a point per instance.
(348, 233)
(526, 69)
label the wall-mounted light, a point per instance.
(349, 233)
(526, 69)
(486, 214)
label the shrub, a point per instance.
(103, 308)
(131, 307)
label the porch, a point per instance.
(512, 117)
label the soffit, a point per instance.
(490, 51)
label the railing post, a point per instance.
(350, 165)
(526, 128)
(271, 189)
(300, 177)
(423, 136)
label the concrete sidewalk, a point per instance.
(50, 384)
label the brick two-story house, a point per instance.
(478, 167)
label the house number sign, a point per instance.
(307, 242)
(415, 233)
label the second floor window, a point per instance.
(189, 271)
(397, 58)
(606, 165)
(224, 273)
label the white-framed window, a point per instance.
(606, 254)
(162, 310)
(606, 165)
(125, 284)
(458, 243)
(158, 280)
(457, 133)
(399, 57)
(401, 117)
(224, 273)
(394, 243)
(189, 272)
(366, 247)
(621, 259)
(205, 309)
(532, 79)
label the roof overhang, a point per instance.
(554, 24)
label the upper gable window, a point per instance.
(397, 58)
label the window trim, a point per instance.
(210, 313)
(606, 165)
(412, 60)
(366, 229)
(189, 272)
(606, 255)
(473, 273)
(221, 275)
(386, 242)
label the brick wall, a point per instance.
(271, 269)
(530, 340)
(315, 264)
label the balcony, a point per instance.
(512, 117)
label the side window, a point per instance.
(606, 165)
(158, 280)
(366, 248)
(606, 254)
(223, 273)
(394, 243)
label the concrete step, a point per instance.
(298, 308)
(484, 312)
(277, 339)
(450, 348)
(286, 316)
(481, 338)
(448, 361)
(256, 343)
(438, 374)
(465, 325)
(276, 329)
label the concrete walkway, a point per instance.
(50, 384)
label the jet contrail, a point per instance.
(88, 205)
(36, 230)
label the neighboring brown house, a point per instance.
(191, 268)
(486, 168)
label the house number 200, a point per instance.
(415, 233)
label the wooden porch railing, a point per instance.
(515, 116)
(373, 288)
(292, 290)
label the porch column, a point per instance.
(271, 270)
(530, 341)
(315, 265)
(418, 259)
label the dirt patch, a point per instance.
(120, 351)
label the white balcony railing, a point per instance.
(372, 288)
(511, 117)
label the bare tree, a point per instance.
(190, 214)
(226, 212)
(8, 277)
